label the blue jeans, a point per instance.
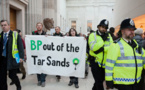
(41, 77)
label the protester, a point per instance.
(41, 77)
(73, 80)
(58, 33)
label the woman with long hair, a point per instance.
(73, 80)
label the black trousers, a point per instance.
(58, 76)
(142, 81)
(13, 76)
(99, 76)
(3, 75)
(74, 80)
(128, 87)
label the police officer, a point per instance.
(10, 45)
(99, 42)
(124, 62)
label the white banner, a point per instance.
(63, 56)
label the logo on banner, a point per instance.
(76, 62)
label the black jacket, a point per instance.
(60, 34)
(11, 62)
(140, 40)
(36, 33)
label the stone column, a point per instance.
(4, 10)
(34, 14)
(50, 10)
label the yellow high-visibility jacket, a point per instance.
(14, 44)
(95, 43)
(124, 64)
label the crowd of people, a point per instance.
(116, 59)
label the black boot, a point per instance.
(19, 88)
(11, 83)
(24, 76)
(70, 83)
(76, 86)
(58, 78)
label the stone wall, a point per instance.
(94, 10)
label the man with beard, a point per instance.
(41, 77)
(99, 43)
(125, 60)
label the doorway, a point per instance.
(13, 22)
